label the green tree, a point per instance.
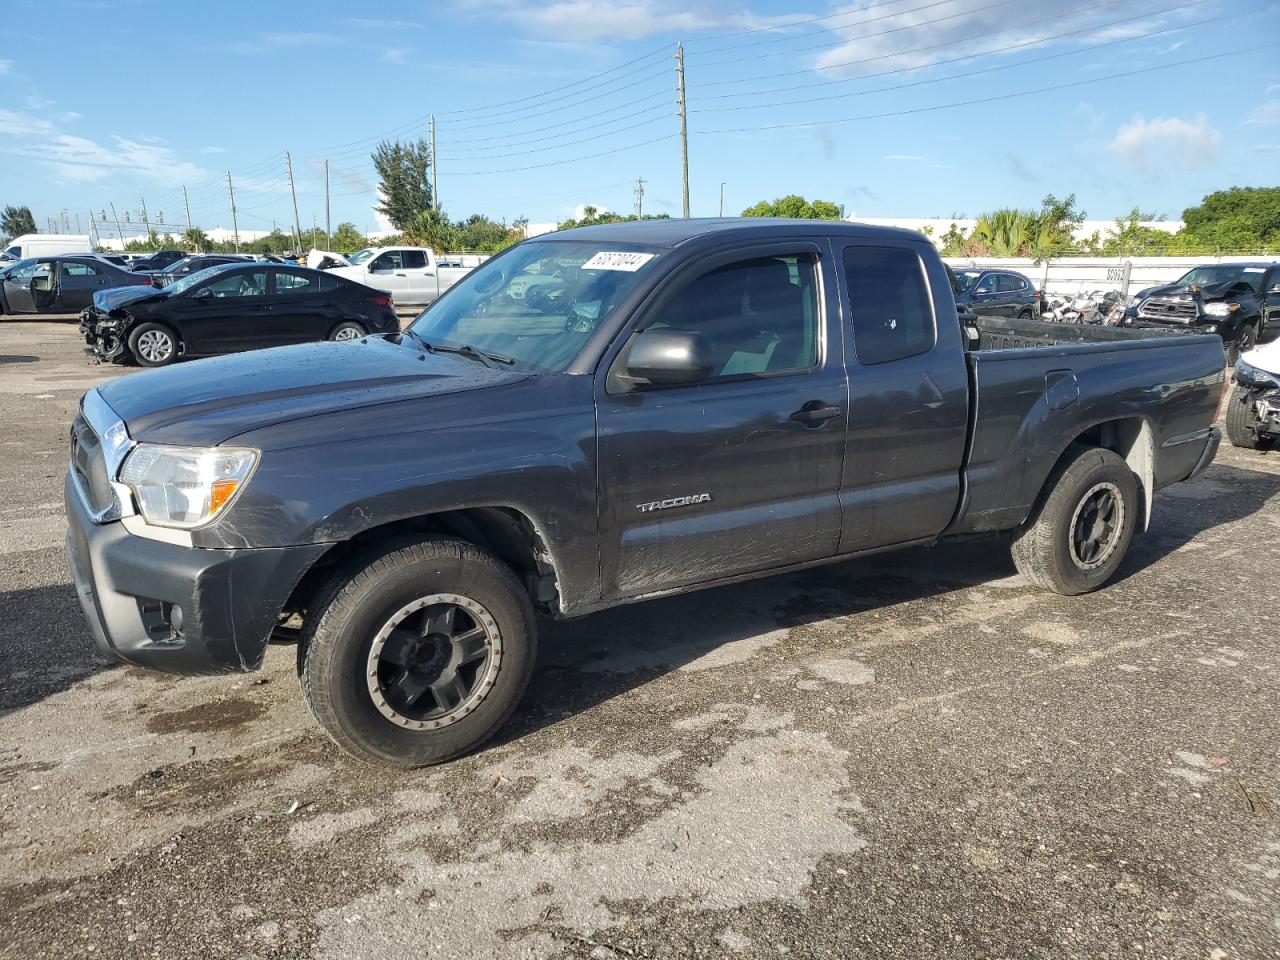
(347, 239)
(1129, 238)
(404, 171)
(592, 216)
(16, 221)
(431, 228)
(197, 240)
(1241, 218)
(796, 207)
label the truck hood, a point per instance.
(117, 297)
(207, 402)
(1209, 292)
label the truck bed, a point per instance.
(1035, 386)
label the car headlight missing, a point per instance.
(185, 487)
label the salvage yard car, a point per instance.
(228, 308)
(1233, 300)
(1253, 412)
(63, 284)
(689, 403)
(997, 293)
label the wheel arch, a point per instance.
(509, 533)
(1132, 438)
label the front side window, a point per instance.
(391, 260)
(757, 316)
(538, 303)
(889, 302)
(250, 283)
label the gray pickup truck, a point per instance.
(597, 417)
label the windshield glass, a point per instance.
(965, 279)
(1224, 273)
(358, 258)
(180, 265)
(537, 304)
(191, 279)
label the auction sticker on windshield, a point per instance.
(617, 260)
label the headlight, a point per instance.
(1251, 376)
(185, 486)
(1220, 309)
(1133, 301)
(1209, 328)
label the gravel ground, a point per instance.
(912, 756)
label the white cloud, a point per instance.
(213, 150)
(1268, 113)
(395, 55)
(370, 23)
(5, 66)
(926, 35)
(81, 159)
(1164, 142)
(902, 158)
(618, 19)
(1267, 148)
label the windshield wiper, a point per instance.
(466, 350)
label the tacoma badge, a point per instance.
(674, 502)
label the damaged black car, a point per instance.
(1233, 300)
(230, 308)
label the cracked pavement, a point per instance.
(913, 755)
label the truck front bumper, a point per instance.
(177, 608)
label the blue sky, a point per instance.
(891, 107)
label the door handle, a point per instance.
(815, 413)
(399, 274)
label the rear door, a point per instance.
(420, 279)
(738, 472)
(908, 396)
(297, 311)
(78, 280)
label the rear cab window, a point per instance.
(890, 304)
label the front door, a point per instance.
(19, 286)
(228, 313)
(908, 397)
(387, 272)
(738, 472)
(78, 280)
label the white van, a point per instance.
(47, 244)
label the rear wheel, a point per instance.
(347, 330)
(153, 345)
(1078, 535)
(1242, 421)
(1025, 315)
(420, 655)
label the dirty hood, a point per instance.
(117, 297)
(210, 401)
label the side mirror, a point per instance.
(1275, 288)
(204, 293)
(665, 358)
(981, 290)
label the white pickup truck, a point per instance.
(410, 274)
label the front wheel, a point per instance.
(419, 655)
(1078, 535)
(1245, 342)
(1242, 420)
(347, 330)
(153, 345)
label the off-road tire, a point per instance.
(347, 325)
(144, 328)
(1233, 349)
(1242, 422)
(341, 626)
(1042, 547)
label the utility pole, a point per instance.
(722, 198)
(297, 227)
(684, 129)
(186, 203)
(328, 234)
(639, 197)
(435, 168)
(119, 230)
(145, 222)
(77, 224)
(235, 229)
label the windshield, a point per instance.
(538, 303)
(179, 266)
(965, 279)
(358, 258)
(1224, 273)
(191, 279)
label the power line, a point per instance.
(997, 98)
(961, 76)
(831, 29)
